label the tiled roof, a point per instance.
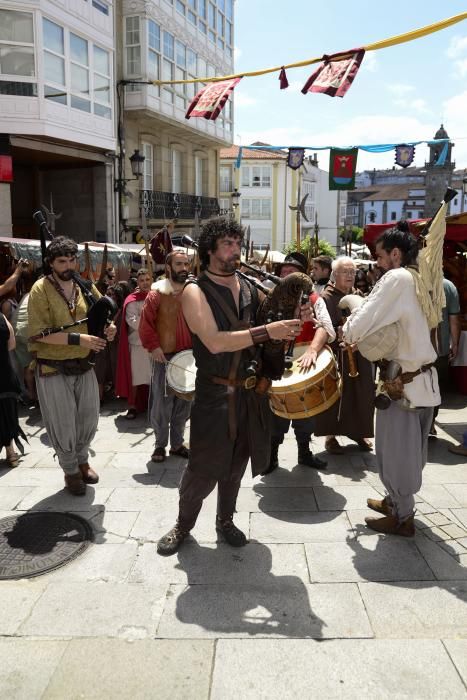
(251, 154)
(389, 192)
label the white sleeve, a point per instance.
(132, 315)
(323, 317)
(381, 307)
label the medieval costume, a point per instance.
(66, 385)
(9, 393)
(402, 428)
(162, 325)
(353, 414)
(134, 362)
(303, 427)
(230, 423)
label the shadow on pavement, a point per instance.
(270, 605)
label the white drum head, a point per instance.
(291, 376)
(181, 372)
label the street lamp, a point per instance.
(235, 196)
(137, 166)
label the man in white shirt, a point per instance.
(402, 429)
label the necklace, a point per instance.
(73, 298)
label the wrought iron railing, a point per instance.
(170, 205)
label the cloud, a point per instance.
(370, 62)
(237, 53)
(244, 100)
(460, 68)
(361, 130)
(457, 47)
(454, 110)
(400, 89)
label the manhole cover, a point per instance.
(35, 543)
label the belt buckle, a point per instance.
(250, 382)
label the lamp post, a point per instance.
(235, 196)
(137, 169)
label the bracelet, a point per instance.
(74, 339)
(259, 334)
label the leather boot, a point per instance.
(274, 460)
(89, 475)
(172, 541)
(307, 458)
(384, 506)
(230, 532)
(75, 484)
(390, 525)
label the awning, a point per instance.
(456, 228)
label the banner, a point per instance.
(342, 166)
(335, 76)
(404, 155)
(295, 158)
(210, 101)
(161, 246)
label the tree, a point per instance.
(357, 234)
(325, 248)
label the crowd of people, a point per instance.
(53, 357)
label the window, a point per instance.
(180, 7)
(256, 176)
(133, 47)
(225, 182)
(200, 172)
(409, 214)
(177, 157)
(16, 44)
(148, 166)
(86, 83)
(79, 72)
(154, 50)
(225, 205)
(101, 82)
(393, 216)
(101, 6)
(256, 208)
(420, 215)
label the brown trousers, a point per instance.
(195, 487)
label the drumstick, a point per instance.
(185, 369)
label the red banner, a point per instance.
(6, 169)
(210, 101)
(335, 76)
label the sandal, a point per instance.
(158, 455)
(131, 414)
(181, 451)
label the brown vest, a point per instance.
(167, 321)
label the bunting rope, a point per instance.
(376, 46)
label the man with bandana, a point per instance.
(163, 332)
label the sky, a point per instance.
(402, 93)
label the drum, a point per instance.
(300, 394)
(181, 375)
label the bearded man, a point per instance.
(229, 420)
(402, 428)
(66, 387)
(164, 332)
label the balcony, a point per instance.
(170, 205)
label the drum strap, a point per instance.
(235, 325)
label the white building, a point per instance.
(167, 40)
(57, 114)
(268, 188)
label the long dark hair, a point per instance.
(400, 237)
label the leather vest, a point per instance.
(166, 321)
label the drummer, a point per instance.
(163, 332)
(317, 337)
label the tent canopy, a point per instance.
(456, 228)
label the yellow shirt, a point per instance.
(48, 309)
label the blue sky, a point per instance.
(400, 94)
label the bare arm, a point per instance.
(201, 322)
(11, 339)
(10, 283)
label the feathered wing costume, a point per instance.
(428, 279)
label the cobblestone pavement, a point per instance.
(315, 605)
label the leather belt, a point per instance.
(248, 383)
(407, 377)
